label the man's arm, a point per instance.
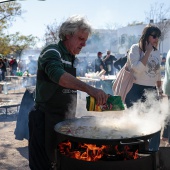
(105, 58)
(69, 81)
(117, 64)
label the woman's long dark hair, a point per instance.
(148, 30)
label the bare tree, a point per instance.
(51, 33)
(159, 15)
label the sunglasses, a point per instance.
(154, 36)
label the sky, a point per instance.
(38, 14)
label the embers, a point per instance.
(119, 152)
(92, 152)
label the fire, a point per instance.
(88, 152)
(92, 152)
(128, 154)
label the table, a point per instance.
(103, 78)
(23, 80)
(89, 80)
(110, 77)
(7, 104)
(17, 81)
(14, 77)
(30, 76)
(105, 81)
(17, 77)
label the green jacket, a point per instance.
(52, 62)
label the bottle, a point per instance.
(5, 88)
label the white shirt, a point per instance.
(145, 75)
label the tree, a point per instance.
(51, 33)
(14, 43)
(159, 15)
(8, 12)
(18, 43)
(4, 47)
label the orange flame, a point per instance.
(91, 152)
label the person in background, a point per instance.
(3, 69)
(89, 67)
(163, 66)
(13, 66)
(166, 90)
(163, 61)
(6, 62)
(7, 73)
(109, 61)
(22, 66)
(99, 66)
(32, 65)
(119, 63)
(56, 91)
(31, 70)
(145, 61)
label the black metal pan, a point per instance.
(96, 130)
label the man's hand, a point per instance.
(100, 96)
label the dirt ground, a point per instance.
(14, 153)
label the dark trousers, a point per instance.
(2, 75)
(137, 93)
(166, 132)
(43, 139)
(38, 159)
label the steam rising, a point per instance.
(142, 118)
(71, 112)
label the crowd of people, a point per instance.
(7, 66)
(84, 66)
(111, 64)
(12, 67)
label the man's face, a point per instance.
(100, 55)
(76, 42)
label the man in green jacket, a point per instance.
(56, 91)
